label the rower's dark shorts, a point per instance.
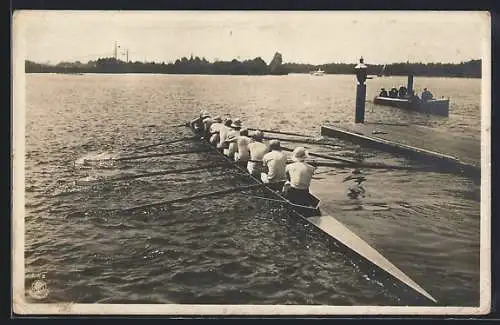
(298, 196)
(277, 186)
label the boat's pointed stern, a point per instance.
(341, 233)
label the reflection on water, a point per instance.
(234, 248)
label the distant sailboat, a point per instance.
(382, 72)
(318, 72)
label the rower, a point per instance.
(257, 152)
(274, 164)
(223, 132)
(232, 135)
(243, 154)
(299, 175)
(214, 130)
(197, 123)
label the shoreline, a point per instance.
(248, 75)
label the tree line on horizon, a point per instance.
(257, 66)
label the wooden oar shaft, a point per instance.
(166, 142)
(349, 163)
(167, 172)
(176, 125)
(281, 132)
(308, 141)
(362, 165)
(193, 197)
(174, 153)
(312, 154)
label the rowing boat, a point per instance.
(438, 106)
(333, 228)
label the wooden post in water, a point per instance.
(361, 75)
(410, 84)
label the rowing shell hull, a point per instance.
(341, 234)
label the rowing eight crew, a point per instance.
(264, 161)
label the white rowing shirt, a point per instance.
(257, 150)
(233, 145)
(207, 123)
(223, 133)
(276, 165)
(243, 153)
(300, 175)
(215, 127)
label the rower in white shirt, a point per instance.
(257, 152)
(215, 129)
(299, 175)
(223, 133)
(231, 136)
(242, 155)
(274, 165)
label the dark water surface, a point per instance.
(235, 248)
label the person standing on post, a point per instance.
(299, 174)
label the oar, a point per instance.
(306, 140)
(364, 165)
(349, 163)
(281, 132)
(177, 125)
(173, 153)
(165, 172)
(312, 154)
(166, 142)
(198, 196)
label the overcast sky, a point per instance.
(302, 37)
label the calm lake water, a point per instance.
(233, 249)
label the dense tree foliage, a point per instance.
(257, 66)
(470, 69)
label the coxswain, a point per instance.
(426, 95)
(197, 123)
(242, 155)
(299, 175)
(231, 136)
(214, 130)
(223, 132)
(383, 93)
(257, 151)
(274, 165)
